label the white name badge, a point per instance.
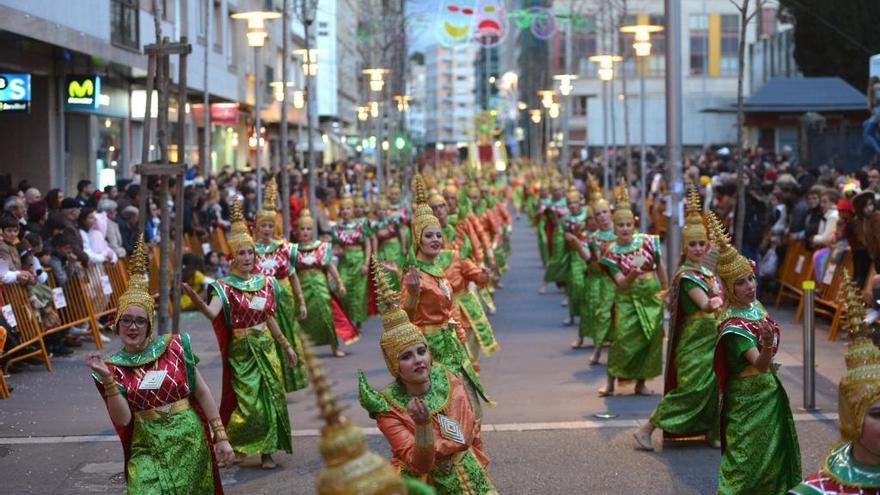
(9, 314)
(58, 298)
(153, 380)
(257, 303)
(206, 248)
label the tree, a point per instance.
(834, 38)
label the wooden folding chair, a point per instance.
(797, 267)
(30, 333)
(825, 302)
(219, 243)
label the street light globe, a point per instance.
(535, 115)
(565, 85)
(299, 99)
(642, 48)
(256, 25)
(439, 146)
(554, 111)
(385, 145)
(606, 74)
(399, 143)
(642, 34)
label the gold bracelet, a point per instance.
(424, 436)
(220, 435)
(110, 389)
(215, 423)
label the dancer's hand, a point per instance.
(767, 336)
(224, 453)
(95, 361)
(341, 290)
(292, 358)
(365, 269)
(715, 303)
(412, 281)
(418, 411)
(303, 312)
(189, 291)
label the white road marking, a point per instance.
(497, 428)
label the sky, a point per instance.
(422, 13)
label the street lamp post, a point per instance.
(306, 10)
(673, 129)
(606, 74)
(377, 83)
(642, 48)
(565, 89)
(299, 101)
(256, 38)
(546, 96)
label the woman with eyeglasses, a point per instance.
(689, 408)
(169, 425)
(242, 313)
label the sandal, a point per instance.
(643, 442)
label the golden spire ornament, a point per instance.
(732, 266)
(694, 229)
(399, 333)
(138, 291)
(350, 467)
(859, 388)
(267, 212)
(623, 209)
(239, 236)
(423, 215)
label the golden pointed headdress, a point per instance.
(350, 467)
(596, 199)
(239, 236)
(399, 332)
(731, 266)
(423, 215)
(305, 218)
(623, 210)
(268, 213)
(694, 229)
(859, 388)
(435, 198)
(138, 291)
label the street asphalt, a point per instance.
(543, 437)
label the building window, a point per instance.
(124, 23)
(698, 25)
(729, 44)
(217, 32)
(201, 19)
(579, 106)
(657, 62)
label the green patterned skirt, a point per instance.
(259, 424)
(319, 322)
(355, 301)
(692, 407)
(574, 289)
(597, 306)
(170, 456)
(471, 309)
(762, 455)
(286, 316)
(458, 475)
(542, 241)
(449, 351)
(557, 266)
(638, 331)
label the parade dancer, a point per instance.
(242, 311)
(389, 240)
(636, 264)
(760, 451)
(557, 264)
(461, 272)
(351, 235)
(160, 406)
(597, 312)
(326, 323)
(853, 465)
(426, 414)
(429, 302)
(689, 408)
(275, 258)
(574, 226)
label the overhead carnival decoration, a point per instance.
(455, 22)
(490, 24)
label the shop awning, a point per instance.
(801, 95)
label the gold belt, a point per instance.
(305, 270)
(242, 332)
(163, 412)
(439, 327)
(700, 314)
(748, 371)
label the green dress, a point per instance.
(690, 407)
(352, 237)
(275, 259)
(323, 311)
(636, 352)
(597, 307)
(168, 454)
(253, 406)
(540, 222)
(557, 265)
(761, 453)
(577, 266)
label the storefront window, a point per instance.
(108, 155)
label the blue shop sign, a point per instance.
(15, 92)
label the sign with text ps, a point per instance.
(15, 92)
